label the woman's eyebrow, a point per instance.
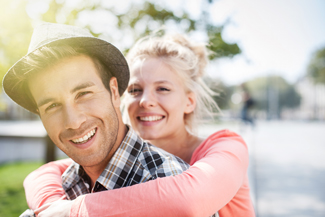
(163, 82)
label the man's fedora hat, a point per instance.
(52, 35)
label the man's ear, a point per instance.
(190, 103)
(113, 85)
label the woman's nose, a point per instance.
(148, 100)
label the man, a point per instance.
(73, 81)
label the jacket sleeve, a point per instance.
(211, 182)
(44, 185)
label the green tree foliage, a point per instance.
(316, 68)
(138, 20)
(16, 30)
(273, 93)
(129, 24)
(218, 45)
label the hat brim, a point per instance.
(95, 47)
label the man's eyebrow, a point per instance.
(79, 87)
(82, 86)
(44, 101)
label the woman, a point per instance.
(165, 99)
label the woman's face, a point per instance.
(156, 100)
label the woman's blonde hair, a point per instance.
(189, 60)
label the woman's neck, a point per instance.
(181, 145)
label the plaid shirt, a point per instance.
(135, 161)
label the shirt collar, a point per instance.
(118, 168)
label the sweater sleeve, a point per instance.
(44, 185)
(218, 171)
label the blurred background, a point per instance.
(267, 62)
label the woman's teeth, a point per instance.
(85, 138)
(151, 118)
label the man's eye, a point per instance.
(53, 105)
(82, 93)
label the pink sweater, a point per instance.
(216, 180)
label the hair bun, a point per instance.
(199, 50)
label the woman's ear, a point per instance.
(191, 103)
(113, 85)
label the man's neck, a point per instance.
(94, 171)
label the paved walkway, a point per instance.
(287, 167)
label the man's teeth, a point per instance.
(151, 118)
(85, 138)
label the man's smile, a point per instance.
(85, 138)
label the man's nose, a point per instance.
(73, 117)
(148, 99)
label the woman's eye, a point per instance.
(134, 91)
(163, 89)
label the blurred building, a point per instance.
(9, 110)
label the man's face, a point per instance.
(77, 110)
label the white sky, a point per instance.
(276, 37)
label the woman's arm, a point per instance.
(211, 182)
(44, 185)
(218, 171)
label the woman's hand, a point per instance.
(59, 208)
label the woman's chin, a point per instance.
(149, 135)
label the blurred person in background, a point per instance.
(248, 103)
(165, 100)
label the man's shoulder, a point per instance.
(159, 162)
